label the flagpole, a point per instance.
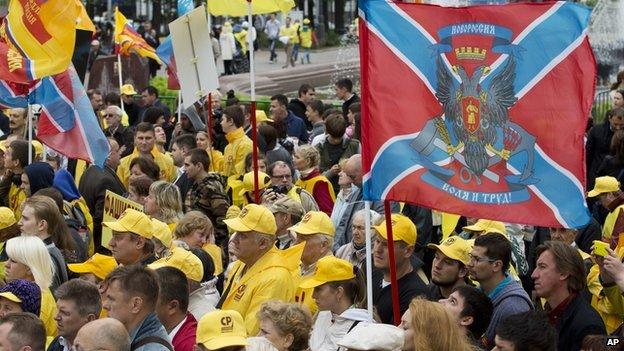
(30, 135)
(120, 82)
(369, 259)
(394, 288)
(252, 84)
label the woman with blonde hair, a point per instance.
(287, 326)
(417, 322)
(306, 160)
(164, 203)
(196, 230)
(28, 259)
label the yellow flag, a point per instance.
(83, 22)
(128, 39)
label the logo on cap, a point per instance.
(449, 241)
(394, 222)
(227, 326)
(306, 218)
(243, 213)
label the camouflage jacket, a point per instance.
(209, 196)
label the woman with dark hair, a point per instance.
(154, 115)
(275, 151)
(143, 166)
(339, 292)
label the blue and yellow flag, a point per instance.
(37, 38)
(128, 39)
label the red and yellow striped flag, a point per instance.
(127, 38)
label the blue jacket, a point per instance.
(507, 300)
(295, 127)
(150, 326)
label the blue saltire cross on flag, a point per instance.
(479, 111)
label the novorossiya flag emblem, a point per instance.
(478, 110)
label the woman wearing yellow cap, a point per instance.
(339, 290)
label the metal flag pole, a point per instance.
(30, 135)
(252, 84)
(396, 312)
(120, 81)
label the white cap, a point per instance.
(245, 24)
(95, 42)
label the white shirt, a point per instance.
(175, 330)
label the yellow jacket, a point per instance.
(238, 147)
(291, 32)
(268, 279)
(48, 311)
(214, 252)
(241, 37)
(16, 198)
(305, 33)
(309, 185)
(168, 170)
(216, 160)
(609, 223)
(608, 301)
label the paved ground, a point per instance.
(319, 56)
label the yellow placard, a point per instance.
(114, 206)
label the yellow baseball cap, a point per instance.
(248, 182)
(127, 89)
(314, 222)
(329, 269)
(454, 247)
(603, 185)
(220, 329)
(488, 226)
(306, 21)
(98, 265)
(403, 229)
(10, 296)
(162, 232)
(7, 217)
(255, 218)
(183, 260)
(261, 116)
(38, 147)
(132, 221)
(3, 145)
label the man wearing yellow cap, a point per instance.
(130, 106)
(611, 197)
(221, 330)
(409, 283)
(95, 269)
(316, 230)
(131, 242)
(260, 273)
(448, 269)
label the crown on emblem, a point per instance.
(470, 53)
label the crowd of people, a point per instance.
(209, 264)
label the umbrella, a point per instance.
(239, 8)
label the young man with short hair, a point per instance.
(305, 94)
(526, 331)
(207, 193)
(314, 115)
(22, 331)
(180, 147)
(239, 145)
(489, 261)
(172, 308)
(145, 145)
(472, 309)
(448, 269)
(78, 303)
(344, 92)
(131, 299)
(286, 120)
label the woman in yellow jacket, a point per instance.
(306, 34)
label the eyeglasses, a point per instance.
(478, 259)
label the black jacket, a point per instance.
(345, 105)
(596, 148)
(184, 183)
(93, 185)
(410, 286)
(578, 321)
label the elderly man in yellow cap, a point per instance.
(221, 330)
(317, 231)
(131, 242)
(260, 274)
(611, 197)
(448, 269)
(410, 284)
